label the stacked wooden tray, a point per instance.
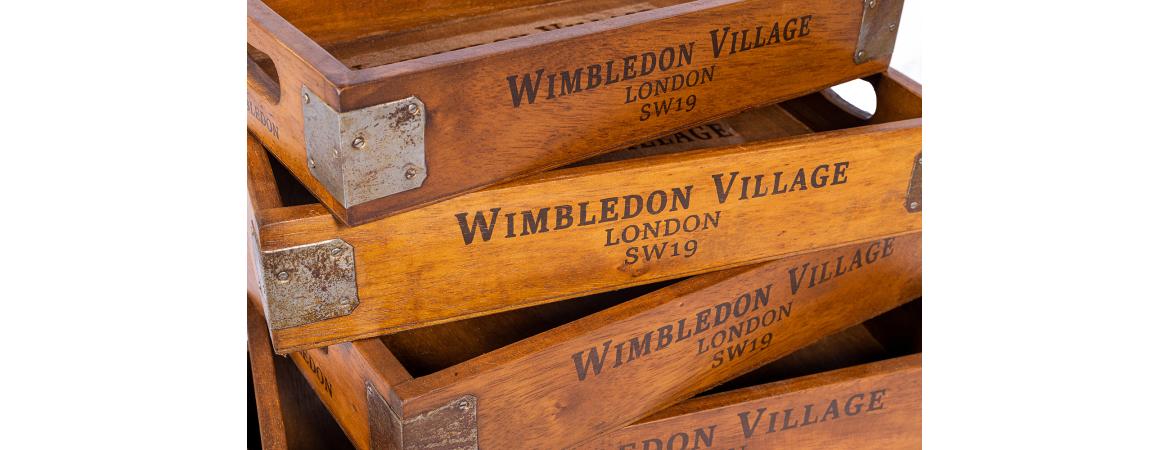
(737, 240)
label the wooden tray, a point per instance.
(283, 411)
(440, 263)
(494, 383)
(857, 391)
(381, 108)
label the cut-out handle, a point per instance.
(856, 97)
(262, 75)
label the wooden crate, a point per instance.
(855, 392)
(502, 381)
(283, 411)
(380, 108)
(527, 242)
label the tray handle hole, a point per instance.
(856, 97)
(262, 74)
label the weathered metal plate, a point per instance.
(385, 428)
(879, 29)
(254, 247)
(365, 154)
(914, 192)
(450, 427)
(309, 283)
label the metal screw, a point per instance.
(464, 405)
(305, 97)
(335, 252)
(872, 3)
(412, 109)
(282, 276)
(358, 142)
(913, 205)
(312, 163)
(861, 54)
(411, 172)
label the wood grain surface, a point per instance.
(485, 126)
(872, 406)
(289, 413)
(706, 220)
(585, 377)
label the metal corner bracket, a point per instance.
(914, 192)
(385, 427)
(878, 31)
(365, 154)
(450, 427)
(309, 283)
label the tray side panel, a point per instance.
(497, 112)
(873, 406)
(610, 369)
(699, 211)
(340, 374)
(552, 99)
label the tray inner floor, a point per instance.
(424, 351)
(446, 36)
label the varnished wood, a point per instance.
(898, 98)
(262, 190)
(477, 132)
(854, 346)
(424, 351)
(290, 415)
(894, 421)
(391, 47)
(406, 263)
(331, 21)
(759, 124)
(535, 393)
(855, 357)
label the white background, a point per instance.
(1046, 229)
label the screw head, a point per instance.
(282, 276)
(335, 252)
(412, 109)
(411, 172)
(872, 3)
(464, 405)
(861, 54)
(358, 142)
(893, 26)
(305, 97)
(312, 163)
(913, 205)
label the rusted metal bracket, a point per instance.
(879, 29)
(450, 427)
(309, 283)
(914, 192)
(385, 428)
(365, 154)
